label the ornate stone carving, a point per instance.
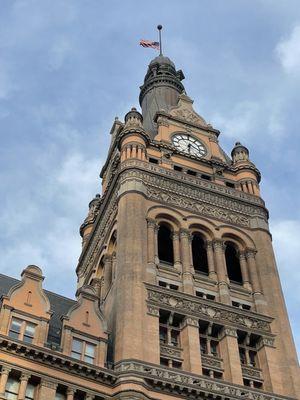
(170, 351)
(211, 361)
(197, 307)
(185, 111)
(191, 321)
(251, 372)
(153, 310)
(229, 331)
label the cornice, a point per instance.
(209, 310)
(176, 382)
(56, 359)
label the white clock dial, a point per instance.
(188, 144)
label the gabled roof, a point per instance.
(60, 306)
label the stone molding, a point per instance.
(50, 358)
(184, 383)
(212, 311)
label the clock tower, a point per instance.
(179, 252)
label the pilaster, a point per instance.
(190, 344)
(230, 353)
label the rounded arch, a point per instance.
(162, 213)
(242, 239)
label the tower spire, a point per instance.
(159, 27)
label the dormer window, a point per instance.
(83, 351)
(22, 330)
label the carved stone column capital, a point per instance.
(49, 384)
(219, 244)
(25, 376)
(209, 244)
(191, 321)
(185, 233)
(5, 370)
(229, 331)
(250, 253)
(107, 258)
(175, 235)
(151, 223)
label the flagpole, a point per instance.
(159, 27)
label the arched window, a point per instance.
(199, 254)
(165, 245)
(233, 263)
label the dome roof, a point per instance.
(162, 60)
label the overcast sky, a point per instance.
(67, 68)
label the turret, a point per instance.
(247, 174)
(160, 91)
(133, 139)
(87, 226)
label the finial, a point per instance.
(159, 27)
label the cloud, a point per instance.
(288, 51)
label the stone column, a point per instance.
(3, 380)
(47, 390)
(210, 260)
(151, 238)
(219, 248)
(244, 270)
(188, 286)
(176, 250)
(70, 393)
(190, 344)
(23, 385)
(152, 350)
(156, 258)
(231, 357)
(259, 301)
(107, 274)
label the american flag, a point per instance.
(149, 43)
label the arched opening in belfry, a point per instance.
(165, 244)
(199, 253)
(233, 263)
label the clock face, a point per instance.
(189, 145)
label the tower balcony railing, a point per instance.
(212, 362)
(170, 351)
(251, 372)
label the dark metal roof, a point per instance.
(60, 306)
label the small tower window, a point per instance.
(165, 245)
(233, 264)
(199, 254)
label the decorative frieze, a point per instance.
(183, 383)
(201, 308)
(200, 183)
